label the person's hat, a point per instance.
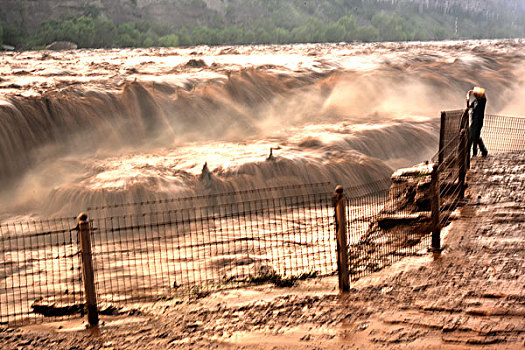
(478, 91)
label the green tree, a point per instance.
(506, 31)
(105, 32)
(14, 35)
(262, 36)
(149, 42)
(281, 36)
(184, 37)
(83, 31)
(313, 31)
(438, 33)
(201, 35)
(391, 26)
(335, 32)
(350, 26)
(232, 35)
(91, 11)
(368, 34)
(170, 40)
(249, 37)
(128, 35)
(159, 29)
(80, 30)
(150, 38)
(272, 21)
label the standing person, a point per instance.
(477, 114)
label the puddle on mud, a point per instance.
(284, 337)
(306, 335)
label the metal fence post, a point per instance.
(462, 158)
(87, 269)
(342, 243)
(442, 136)
(434, 202)
(465, 127)
(468, 148)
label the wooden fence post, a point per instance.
(434, 203)
(462, 159)
(88, 276)
(342, 242)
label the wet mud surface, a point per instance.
(471, 295)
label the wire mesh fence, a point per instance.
(39, 271)
(450, 183)
(503, 134)
(170, 248)
(385, 225)
(451, 164)
(226, 244)
(191, 246)
(452, 122)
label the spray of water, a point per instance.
(345, 115)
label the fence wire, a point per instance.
(174, 247)
(197, 250)
(452, 122)
(502, 134)
(39, 271)
(449, 159)
(383, 226)
(150, 250)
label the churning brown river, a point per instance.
(89, 128)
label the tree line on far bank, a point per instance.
(97, 31)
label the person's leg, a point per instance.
(471, 140)
(475, 133)
(475, 148)
(482, 147)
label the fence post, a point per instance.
(87, 269)
(462, 158)
(434, 203)
(468, 147)
(442, 137)
(465, 126)
(342, 243)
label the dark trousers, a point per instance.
(475, 140)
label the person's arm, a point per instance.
(468, 98)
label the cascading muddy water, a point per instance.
(69, 149)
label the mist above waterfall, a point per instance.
(93, 127)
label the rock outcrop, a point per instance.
(61, 45)
(400, 219)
